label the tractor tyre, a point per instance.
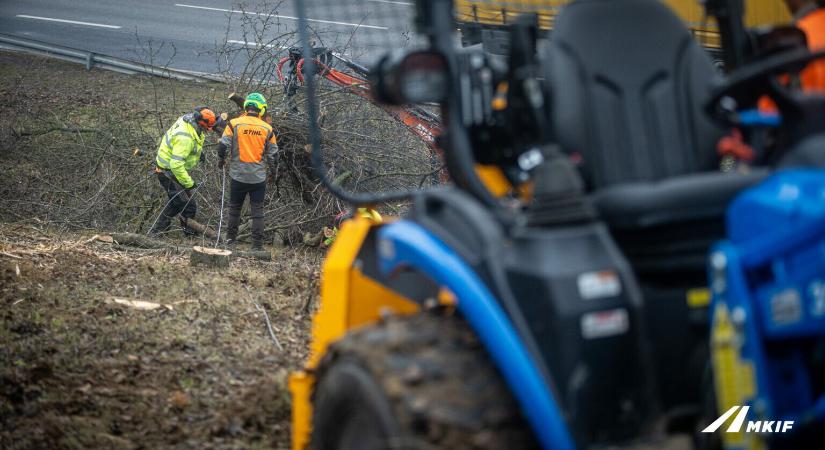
(415, 382)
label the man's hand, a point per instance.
(192, 188)
(221, 163)
(203, 157)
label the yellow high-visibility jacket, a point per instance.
(180, 149)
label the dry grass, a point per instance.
(78, 370)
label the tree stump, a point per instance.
(210, 257)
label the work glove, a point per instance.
(192, 188)
(221, 163)
(203, 157)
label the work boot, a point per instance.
(230, 244)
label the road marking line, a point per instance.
(280, 16)
(279, 47)
(256, 44)
(392, 2)
(74, 22)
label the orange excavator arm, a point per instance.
(422, 123)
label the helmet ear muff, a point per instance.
(200, 119)
(198, 115)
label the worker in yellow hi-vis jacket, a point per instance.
(180, 150)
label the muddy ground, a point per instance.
(78, 370)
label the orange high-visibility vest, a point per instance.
(251, 141)
(813, 77)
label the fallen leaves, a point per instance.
(179, 400)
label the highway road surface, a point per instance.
(195, 34)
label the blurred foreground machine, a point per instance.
(555, 296)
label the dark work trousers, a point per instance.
(237, 195)
(180, 203)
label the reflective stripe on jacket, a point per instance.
(252, 145)
(180, 149)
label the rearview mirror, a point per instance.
(410, 77)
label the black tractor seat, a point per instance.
(628, 86)
(668, 225)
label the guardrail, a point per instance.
(92, 59)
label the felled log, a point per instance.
(255, 254)
(237, 99)
(138, 250)
(141, 241)
(210, 257)
(144, 242)
(201, 228)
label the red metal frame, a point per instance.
(424, 127)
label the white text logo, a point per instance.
(753, 426)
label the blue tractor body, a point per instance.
(557, 295)
(768, 324)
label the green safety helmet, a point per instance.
(257, 100)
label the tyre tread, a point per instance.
(441, 385)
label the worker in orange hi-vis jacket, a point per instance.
(809, 16)
(252, 146)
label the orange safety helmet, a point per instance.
(205, 117)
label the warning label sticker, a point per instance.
(604, 323)
(601, 284)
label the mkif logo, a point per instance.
(754, 426)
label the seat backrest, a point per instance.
(628, 87)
